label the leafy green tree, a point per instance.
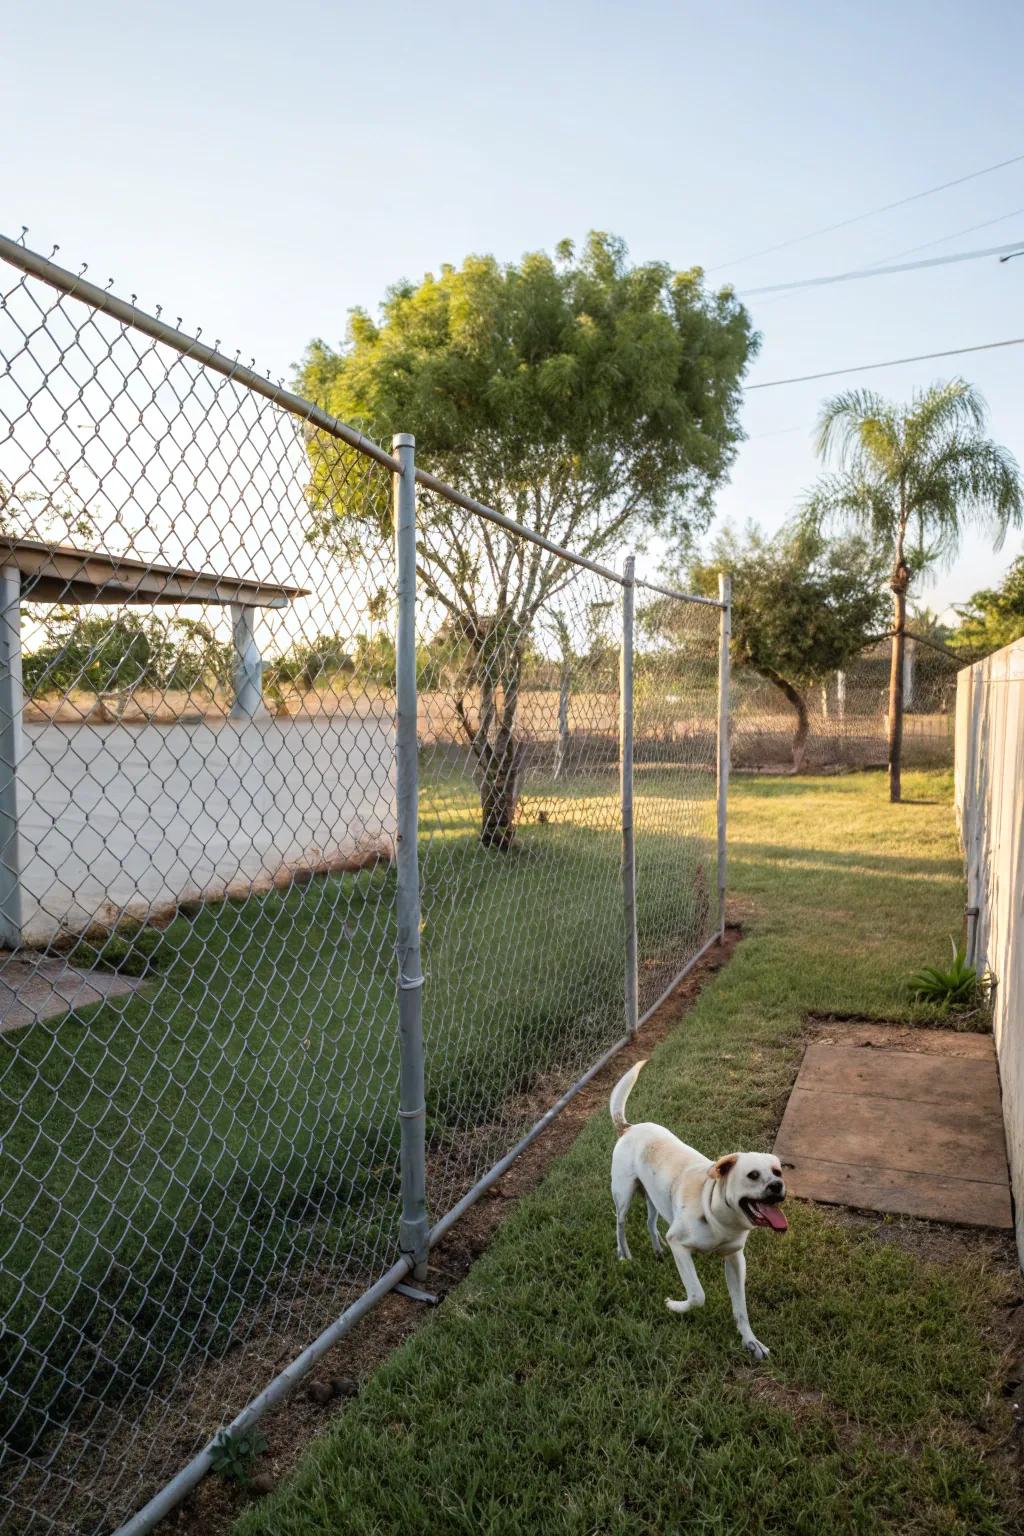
(803, 606)
(993, 617)
(96, 654)
(923, 623)
(192, 657)
(117, 654)
(912, 478)
(374, 659)
(314, 663)
(40, 515)
(591, 400)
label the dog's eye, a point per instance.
(753, 1174)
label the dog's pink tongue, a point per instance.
(774, 1217)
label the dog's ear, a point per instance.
(723, 1166)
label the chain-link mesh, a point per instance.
(197, 1064)
(521, 827)
(198, 1020)
(846, 722)
(675, 754)
(523, 937)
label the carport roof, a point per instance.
(56, 573)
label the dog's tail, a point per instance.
(620, 1093)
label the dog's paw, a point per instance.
(755, 1349)
(679, 1306)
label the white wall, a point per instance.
(122, 819)
(990, 811)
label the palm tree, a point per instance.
(913, 478)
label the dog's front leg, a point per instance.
(736, 1280)
(688, 1274)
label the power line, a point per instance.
(928, 244)
(894, 362)
(969, 229)
(827, 229)
(756, 437)
(860, 272)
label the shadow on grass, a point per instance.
(891, 866)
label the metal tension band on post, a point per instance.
(412, 1114)
(410, 983)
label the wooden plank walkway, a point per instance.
(902, 1121)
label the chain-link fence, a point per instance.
(268, 1008)
(846, 714)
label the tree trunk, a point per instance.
(499, 757)
(562, 749)
(802, 729)
(499, 796)
(900, 581)
(803, 724)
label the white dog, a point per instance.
(710, 1207)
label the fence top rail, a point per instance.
(75, 285)
(681, 597)
(431, 483)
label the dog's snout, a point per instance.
(776, 1188)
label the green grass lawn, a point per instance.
(553, 1391)
(173, 1157)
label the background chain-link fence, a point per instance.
(199, 1000)
(847, 715)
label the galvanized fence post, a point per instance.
(414, 1228)
(632, 990)
(724, 632)
(11, 704)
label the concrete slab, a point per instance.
(43, 988)
(911, 1131)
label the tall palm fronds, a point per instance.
(913, 478)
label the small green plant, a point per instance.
(235, 1451)
(954, 989)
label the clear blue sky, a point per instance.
(260, 168)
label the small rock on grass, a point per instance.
(262, 1483)
(344, 1386)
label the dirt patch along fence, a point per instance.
(228, 673)
(989, 781)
